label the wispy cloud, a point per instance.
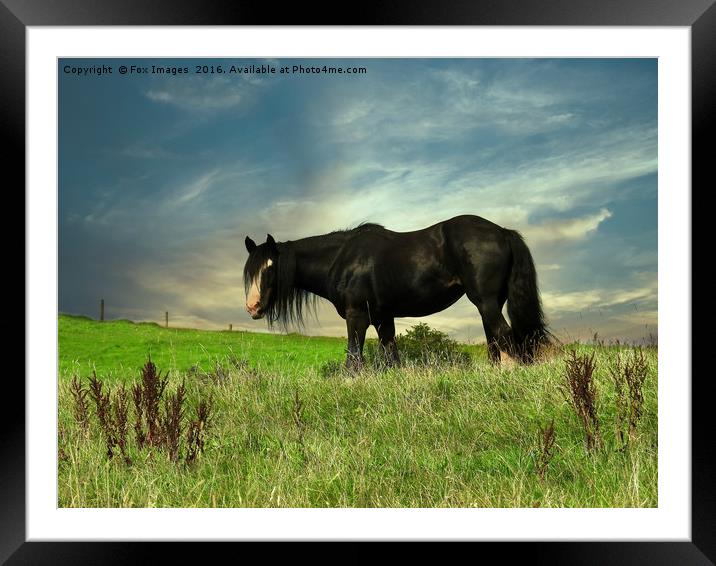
(554, 149)
(195, 189)
(568, 229)
(577, 301)
(205, 94)
(144, 151)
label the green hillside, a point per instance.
(119, 347)
(122, 346)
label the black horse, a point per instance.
(373, 275)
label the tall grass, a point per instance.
(416, 436)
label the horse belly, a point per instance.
(418, 304)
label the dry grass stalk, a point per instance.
(545, 444)
(172, 421)
(121, 413)
(152, 389)
(81, 409)
(196, 431)
(628, 377)
(139, 434)
(103, 411)
(581, 393)
(153, 427)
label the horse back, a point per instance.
(407, 273)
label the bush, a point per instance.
(421, 345)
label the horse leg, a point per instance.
(486, 286)
(497, 331)
(386, 335)
(502, 338)
(357, 324)
(493, 348)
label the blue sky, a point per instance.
(161, 178)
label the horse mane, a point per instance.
(362, 227)
(290, 303)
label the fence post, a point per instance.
(166, 319)
(231, 326)
(101, 310)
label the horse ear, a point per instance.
(270, 241)
(250, 244)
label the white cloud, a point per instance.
(577, 301)
(196, 188)
(446, 104)
(569, 229)
(202, 94)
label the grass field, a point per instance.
(121, 347)
(284, 432)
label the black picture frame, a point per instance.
(699, 15)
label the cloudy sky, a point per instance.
(161, 177)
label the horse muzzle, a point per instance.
(255, 312)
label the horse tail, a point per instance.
(524, 306)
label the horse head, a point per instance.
(260, 276)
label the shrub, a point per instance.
(422, 345)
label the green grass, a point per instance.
(407, 437)
(121, 347)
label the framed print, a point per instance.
(167, 167)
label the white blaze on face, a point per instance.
(253, 299)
